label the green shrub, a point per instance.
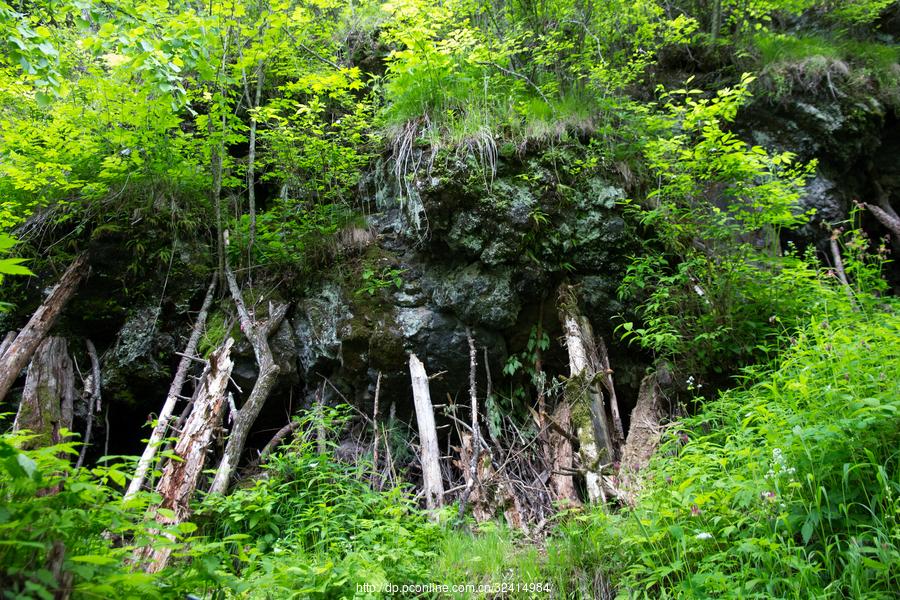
(59, 524)
(710, 287)
(311, 526)
(787, 487)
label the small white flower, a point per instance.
(704, 536)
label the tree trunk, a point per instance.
(432, 481)
(561, 456)
(606, 372)
(165, 414)
(20, 350)
(180, 477)
(475, 443)
(584, 395)
(643, 436)
(716, 21)
(8, 339)
(251, 154)
(258, 334)
(48, 399)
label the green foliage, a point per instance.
(493, 556)
(51, 510)
(292, 236)
(829, 65)
(710, 285)
(787, 487)
(10, 266)
(312, 526)
(455, 75)
(373, 281)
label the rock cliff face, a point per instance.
(467, 255)
(855, 141)
(468, 244)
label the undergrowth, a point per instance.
(829, 65)
(786, 487)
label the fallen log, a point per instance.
(165, 413)
(180, 477)
(19, 351)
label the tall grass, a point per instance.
(788, 487)
(839, 66)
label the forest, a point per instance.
(332, 299)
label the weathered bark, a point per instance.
(643, 436)
(49, 395)
(433, 483)
(375, 425)
(889, 219)
(165, 414)
(561, 456)
(19, 352)
(584, 395)
(258, 334)
(839, 268)
(92, 399)
(8, 339)
(63, 578)
(180, 477)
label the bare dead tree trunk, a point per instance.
(432, 483)
(585, 396)
(180, 477)
(839, 268)
(48, 398)
(375, 425)
(643, 436)
(92, 399)
(19, 352)
(472, 477)
(258, 334)
(165, 413)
